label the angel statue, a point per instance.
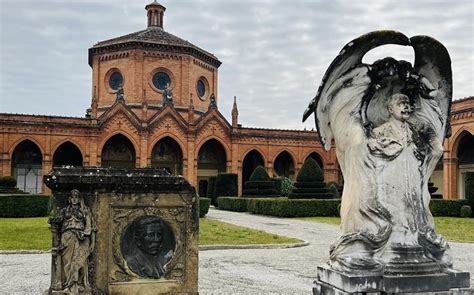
(388, 121)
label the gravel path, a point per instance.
(242, 271)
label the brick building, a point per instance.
(155, 104)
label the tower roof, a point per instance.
(153, 38)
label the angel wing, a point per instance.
(350, 89)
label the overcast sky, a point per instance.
(273, 53)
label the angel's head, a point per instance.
(399, 107)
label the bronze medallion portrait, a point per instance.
(147, 245)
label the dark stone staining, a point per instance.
(99, 179)
(147, 245)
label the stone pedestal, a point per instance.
(331, 282)
(133, 231)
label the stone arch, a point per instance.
(284, 165)
(457, 138)
(211, 160)
(220, 140)
(118, 151)
(464, 153)
(250, 161)
(16, 143)
(180, 143)
(67, 153)
(27, 166)
(167, 154)
(317, 157)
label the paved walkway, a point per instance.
(266, 271)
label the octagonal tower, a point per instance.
(146, 61)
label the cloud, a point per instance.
(274, 53)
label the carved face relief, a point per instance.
(147, 245)
(149, 238)
(74, 198)
(399, 107)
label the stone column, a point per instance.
(191, 173)
(450, 178)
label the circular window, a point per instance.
(161, 80)
(201, 88)
(115, 80)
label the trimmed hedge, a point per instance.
(24, 205)
(226, 185)
(260, 184)
(260, 173)
(470, 189)
(466, 211)
(283, 207)
(233, 204)
(310, 183)
(211, 185)
(310, 172)
(204, 204)
(7, 182)
(261, 192)
(447, 207)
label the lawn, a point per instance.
(214, 232)
(34, 234)
(451, 228)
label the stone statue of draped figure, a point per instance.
(388, 121)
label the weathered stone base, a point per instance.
(331, 282)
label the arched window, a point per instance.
(167, 154)
(250, 162)
(284, 166)
(465, 155)
(211, 160)
(118, 152)
(67, 154)
(27, 162)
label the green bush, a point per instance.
(24, 205)
(470, 188)
(287, 187)
(260, 192)
(310, 183)
(226, 185)
(334, 191)
(310, 172)
(260, 184)
(259, 173)
(466, 211)
(447, 207)
(233, 204)
(283, 185)
(283, 207)
(7, 182)
(211, 184)
(204, 204)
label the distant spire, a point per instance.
(235, 113)
(155, 13)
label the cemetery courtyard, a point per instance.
(275, 269)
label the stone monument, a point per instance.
(123, 231)
(388, 121)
